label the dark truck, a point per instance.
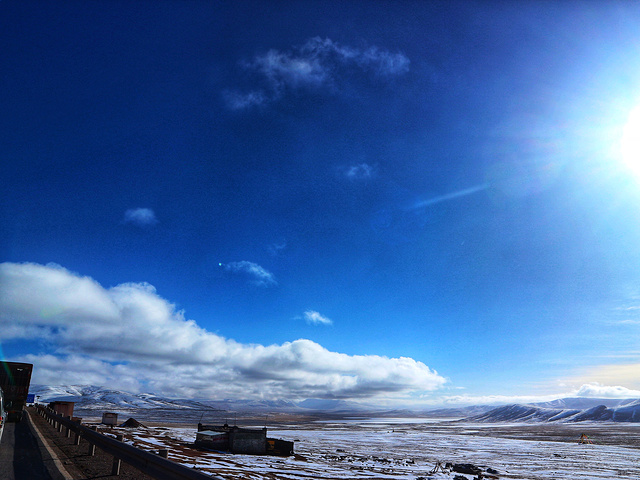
(14, 382)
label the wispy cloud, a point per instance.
(128, 335)
(240, 101)
(315, 318)
(358, 172)
(277, 248)
(257, 275)
(451, 196)
(318, 63)
(141, 217)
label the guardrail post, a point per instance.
(115, 468)
(76, 440)
(92, 447)
(163, 453)
(68, 432)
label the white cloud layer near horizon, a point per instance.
(316, 64)
(587, 390)
(129, 337)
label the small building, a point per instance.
(109, 418)
(240, 440)
(209, 440)
(63, 408)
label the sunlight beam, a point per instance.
(630, 144)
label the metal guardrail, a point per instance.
(151, 464)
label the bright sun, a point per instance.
(631, 141)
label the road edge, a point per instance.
(54, 466)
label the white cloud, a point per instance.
(317, 63)
(277, 248)
(590, 390)
(384, 62)
(315, 318)
(240, 101)
(258, 275)
(142, 217)
(359, 172)
(129, 336)
(295, 71)
(596, 390)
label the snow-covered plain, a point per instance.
(407, 449)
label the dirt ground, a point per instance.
(76, 458)
(329, 448)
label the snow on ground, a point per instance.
(393, 449)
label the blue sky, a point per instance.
(391, 202)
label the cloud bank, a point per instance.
(129, 337)
(587, 390)
(317, 64)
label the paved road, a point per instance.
(20, 456)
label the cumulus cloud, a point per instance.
(317, 63)
(129, 336)
(141, 217)
(256, 274)
(315, 318)
(596, 390)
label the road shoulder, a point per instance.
(51, 455)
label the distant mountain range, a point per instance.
(565, 410)
(91, 398)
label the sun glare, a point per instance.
(631, 141)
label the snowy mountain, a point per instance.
(100, 398)
(458, 412)
(89, 397)
(585, 403)
(620, 411)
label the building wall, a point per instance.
(253, 442)
(63, 408)
(279, 447)
(213, 442)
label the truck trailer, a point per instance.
(14, 381)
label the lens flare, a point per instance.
(631, 141)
